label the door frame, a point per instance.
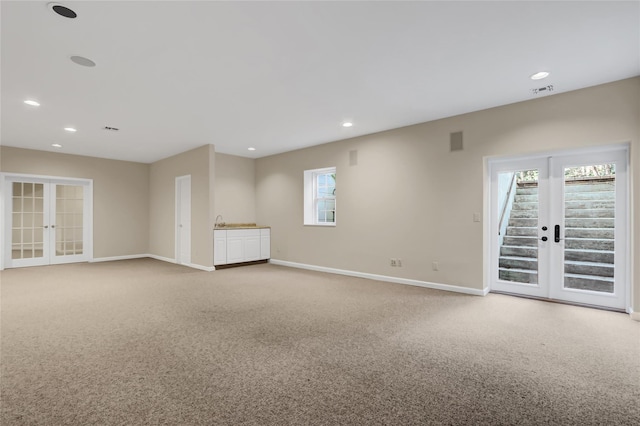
(6, 178)
(489, 238)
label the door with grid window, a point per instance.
(46, 221)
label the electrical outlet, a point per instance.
(435, 266)
(399, 263)
(394, 262)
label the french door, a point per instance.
(47, 221)
(559, 227)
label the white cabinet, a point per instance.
(265, 243)
(241, 245)
(219, 247)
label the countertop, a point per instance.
(229, 226)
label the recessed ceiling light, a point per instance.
(56, 145)
(540, 75)
(70, 129)
(62, 10)
(32, 103)
(347, 124)
(251, 149)
(81, 60)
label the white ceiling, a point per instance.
(279, 76)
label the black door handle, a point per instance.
(557, 234)
(544, 238)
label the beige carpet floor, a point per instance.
(144, 342)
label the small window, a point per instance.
(320, 197)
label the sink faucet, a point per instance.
(221, 224)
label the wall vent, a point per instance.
(456, 141)
(353, 158)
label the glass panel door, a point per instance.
(590, 234)
(46, 221)
(28, 245)
(69, 207)
(518, 227)
(559, 227)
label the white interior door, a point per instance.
(47, 221)
(559, 227)
(183, 219)
(590, 229)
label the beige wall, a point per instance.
(120, 195)
(235, 189)
(199, 163)
(409, 197)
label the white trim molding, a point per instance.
(386, 278)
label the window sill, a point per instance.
(321, 225)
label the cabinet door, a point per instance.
(252, 248)
(235, 252)
(265, 244)
(219, 247)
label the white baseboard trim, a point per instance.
(386, 278)
(112, 258)
(153, 256)
(634, 315)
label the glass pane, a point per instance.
(69, 209)
(17, 189)
(589, 227)
(27, 220)
(518, 226)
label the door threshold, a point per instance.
(561, 302)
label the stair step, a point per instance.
(522, 231)
(523, 222)
(583, 282)
(600, 233)
(525, 198)
(598, 256)
(587, 243)
(589, 186)
(520, 241)
(520, 263)
(519, 276)
(524, 213)
(589, 213)
(525, 206)
(586, 204)
(527, 190)
(591, 269)
(589, 195)
(589, 222)
(519, 251)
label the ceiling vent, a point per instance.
(544, 89)
(62, 10)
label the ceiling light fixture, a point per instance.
(347, 124)
(81, 60)
(540, 75)
(62, 10)
(70, 129)
(32, 103)
(251, 149)
(56, 145)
